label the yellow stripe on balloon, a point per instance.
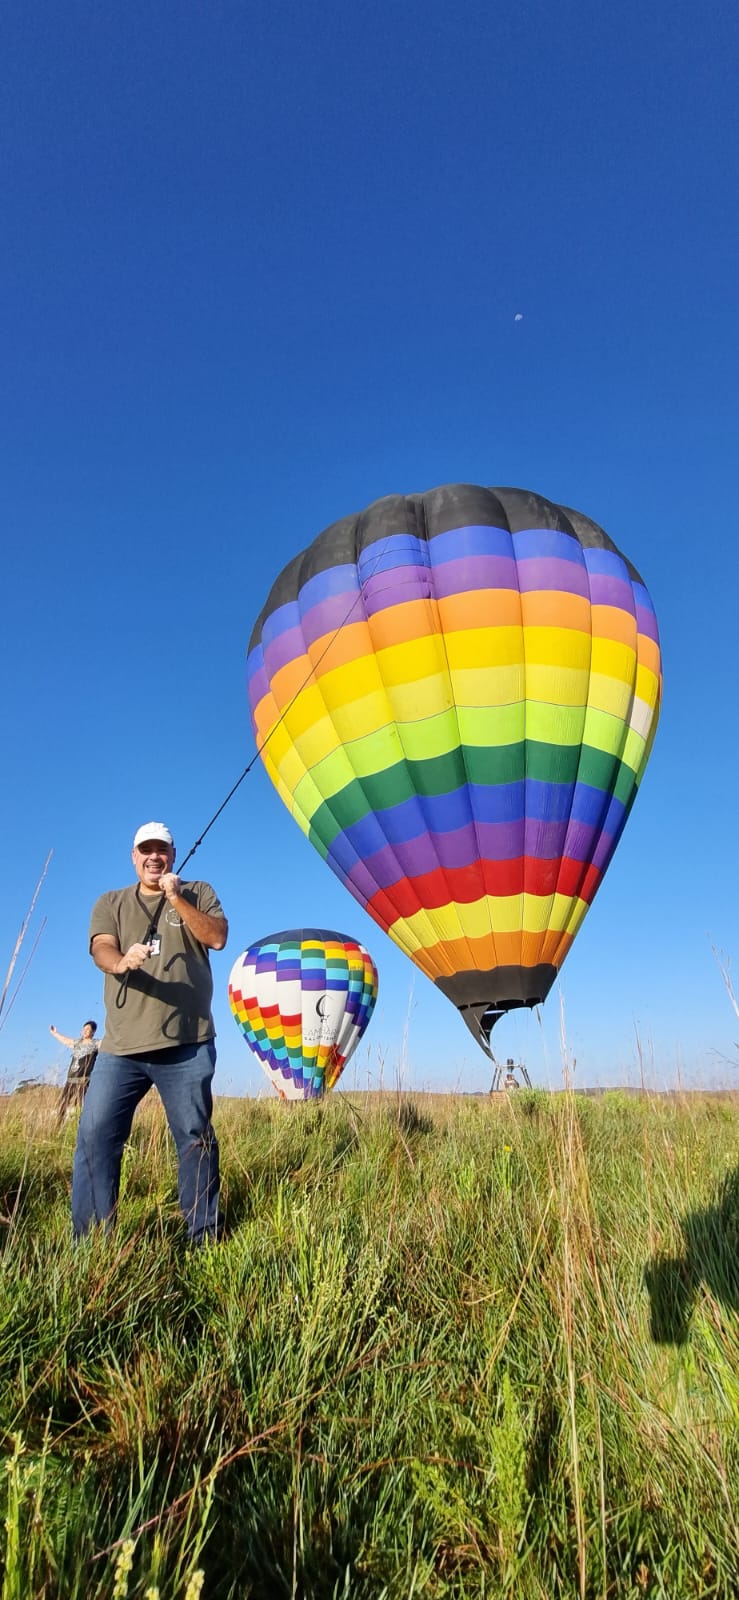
(422, 657)
(648, 685)
(562, 686)
(610, 694)
(614, 660)
(509, 949)
(557, 647)
(493, 647)
(528, 913)
(425, 735)
(286, 795)
(489, 687)
(424, 698)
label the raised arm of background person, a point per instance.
(212, 932)
(62, 1037)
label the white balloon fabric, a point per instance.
(302, 1000)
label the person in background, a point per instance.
(84, 1053)
(153, 941)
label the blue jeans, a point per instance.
(183, 1078)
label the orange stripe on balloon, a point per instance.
(547, 608)
(612, 622)
(480, 608)
(649, 655)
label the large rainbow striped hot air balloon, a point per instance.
(303, 999)
(455, 694)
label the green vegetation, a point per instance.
(449, 1348)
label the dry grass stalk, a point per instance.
(19, 946)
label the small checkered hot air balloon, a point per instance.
(303, 999)
(455, 694)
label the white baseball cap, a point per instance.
(152, 830)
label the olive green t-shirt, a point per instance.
(168, 999)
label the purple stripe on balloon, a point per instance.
(403, 584)
(581, 841)
(281, 651)
(549, 574)
(460, 848)
(610, 591)
(329, 615)
(339, 584)
(258, 686)
(647, 623)
(360, 879)
(589, 806)
(474, 573)
(424, 854)
(643, 598)
(543, 841)
(280, 621)
(341, 579)
(345, 852)
(387, 866)
(605, 847)
(463, 846)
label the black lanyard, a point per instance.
(152, 926)
(156, 914)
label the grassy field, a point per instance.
(449, 1347)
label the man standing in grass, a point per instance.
(152, 941)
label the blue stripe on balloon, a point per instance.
(643, 600)
(529, 799)
(535, 543)
(280, 621)
(397, 550)
(606, 563)
(340, 580)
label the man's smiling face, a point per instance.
(151, 859)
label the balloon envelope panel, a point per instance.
(303, 999)
(455, 694)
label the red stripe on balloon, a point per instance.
(574, 881)
(465, 885)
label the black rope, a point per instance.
(288, 708)
(152, 928)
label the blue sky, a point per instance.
(260, 265)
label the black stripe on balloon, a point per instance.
(435, 512)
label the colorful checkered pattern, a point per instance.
(303, 1000)
(456, 695)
